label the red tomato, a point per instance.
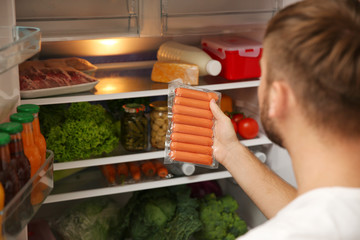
(248, 128)
(237, 117)
(234, 125)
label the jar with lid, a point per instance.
(134, 128)
(159, 123)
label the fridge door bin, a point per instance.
(25, 45)
(22, 208)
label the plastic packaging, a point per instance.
(166, 72)
(189, 137)
(177, 52)
(182, 169)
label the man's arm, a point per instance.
(268, 191)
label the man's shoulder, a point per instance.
(327, 213)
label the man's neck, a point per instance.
(324, 161)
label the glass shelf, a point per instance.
(23, 207)
(25, 45)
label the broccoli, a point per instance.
(160, 214)
(86, 131)
(219, 219)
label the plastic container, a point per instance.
(239, 57)
(177, 52)
(134, 131)
(159, 123)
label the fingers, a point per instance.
(216, 111)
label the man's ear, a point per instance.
(280, 98)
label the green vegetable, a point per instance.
(160, 214)
(92, 219)
(51, 116)
(219, 219)
(86, 131)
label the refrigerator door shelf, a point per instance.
(25, 45)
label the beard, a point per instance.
(268, 124)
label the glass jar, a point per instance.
(159, 123)
(134, 127)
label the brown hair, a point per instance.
(316, 45)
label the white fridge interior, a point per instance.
(132, 31)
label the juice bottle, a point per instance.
(38, 137)
(18, 158)
(8, 175)
(30, 149)
(174, 51)
(2, 204)
(20, 163)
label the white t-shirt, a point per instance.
(321, 214)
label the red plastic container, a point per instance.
(239, 57)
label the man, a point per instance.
(309, 99)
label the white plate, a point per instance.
(83, 87)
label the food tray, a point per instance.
(20, 210)
(83, 87)
(26, 43)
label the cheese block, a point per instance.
(168, 71)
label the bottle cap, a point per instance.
(188, 169)
(11, 127)
(4, 138)
(213, 67)
(29, 108)
(261, 156)
(22, 117)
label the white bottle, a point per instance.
(182, 169)
(258, 151)
(174, 51)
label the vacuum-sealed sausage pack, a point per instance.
(190, 133)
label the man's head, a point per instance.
(314, 45)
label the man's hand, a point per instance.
(224, 134)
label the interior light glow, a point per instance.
(108, 42)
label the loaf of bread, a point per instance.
(168, 71)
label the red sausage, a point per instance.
(192, 103)
(200, 131)
(195, 94)
(200, 122)
(192, 139)
(195, 158)
(194, 112)
(178, 146)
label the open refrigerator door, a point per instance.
(17, 44)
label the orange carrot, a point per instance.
(161, 170)
(109, 172)
(148, 168)
(134, 170)
(122, 171)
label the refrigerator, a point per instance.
(121, 38)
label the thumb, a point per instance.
(216, 111)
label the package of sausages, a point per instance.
(190, 133)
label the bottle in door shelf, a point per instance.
(18, 158)
(19, 161)
(172, 51)
(259, 152)
(8, 175)
(38, 137)
(30, 149)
